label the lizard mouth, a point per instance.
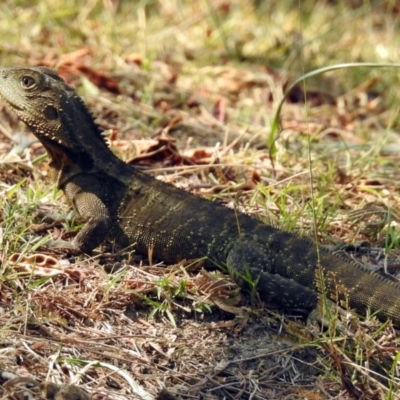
(16, 106)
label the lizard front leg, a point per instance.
(89, 206)
(98, 224)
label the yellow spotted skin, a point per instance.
(124, 204)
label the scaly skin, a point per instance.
(122, 203)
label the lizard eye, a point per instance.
(27, 82)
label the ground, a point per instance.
(190, 91)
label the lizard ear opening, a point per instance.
(50, 112)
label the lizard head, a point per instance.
(50, 108)
(59, 118)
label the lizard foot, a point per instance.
(326, 314)
(64, 246)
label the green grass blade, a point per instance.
(275, 122)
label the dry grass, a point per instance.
(209, 75)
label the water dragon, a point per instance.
(123, 203)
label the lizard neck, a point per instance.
(94, 157)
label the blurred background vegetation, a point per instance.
(293, 36)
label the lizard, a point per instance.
(121, 202)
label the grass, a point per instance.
(206, 73)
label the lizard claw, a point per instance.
(64, 246)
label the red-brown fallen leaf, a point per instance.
(43, 265)
(224, 7)
(113, 135)
(193, 102)
(134, 58)
(199, 156)
(99, 78)
(77, 56)
(163, 151)
(75, 63)
(55, 61)
(219, 110)
(36, 264)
